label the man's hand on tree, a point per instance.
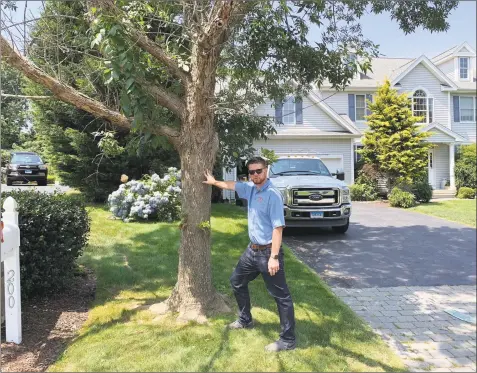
(210, 179)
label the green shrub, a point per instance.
(6, 156)
(465, 167)
(466, 193)
(422, 190)
(51, 179)
(53, 231)
(363, 192)
(365, 187)
(401, 198)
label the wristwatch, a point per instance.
(274, 256)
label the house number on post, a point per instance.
(11, 288)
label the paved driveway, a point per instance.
(387, 247)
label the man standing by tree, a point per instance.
(264, 254)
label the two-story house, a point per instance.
(331, 123)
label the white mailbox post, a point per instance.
(10, 250)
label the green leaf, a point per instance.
(129, 82)
(113, 30)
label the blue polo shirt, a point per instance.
(265, 210)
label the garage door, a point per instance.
(333, 163)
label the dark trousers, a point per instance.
(251, 264)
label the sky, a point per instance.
(385, 32)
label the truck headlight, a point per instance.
(42, 167)
(13, 167)
(345, 195)
(284, 193)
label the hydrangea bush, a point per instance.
(150, 198)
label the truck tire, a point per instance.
(341, 228)
(9, 181)
(42, 182)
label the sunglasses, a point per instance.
(257, 171)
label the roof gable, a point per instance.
(463, 49)
(442, 132)
(348, 125)
(430, 66)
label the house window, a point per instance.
(360, 107)
(289, 111)
(357, 155)
(467, 109)
(464, 68)
(423, 106)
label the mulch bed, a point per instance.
(49, 323)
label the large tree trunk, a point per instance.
(194, 295)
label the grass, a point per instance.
(136, 265)
(461, 211)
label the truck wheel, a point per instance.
(42, 182)
(9, 181)
(341, 228)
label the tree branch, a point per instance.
(71, 96)
(145, 43)
(165, 98)
(62, 91)
(226, 14)
(27, 97)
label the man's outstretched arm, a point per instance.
(230, 185)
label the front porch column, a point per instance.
(451, 165)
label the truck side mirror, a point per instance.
(339, 174)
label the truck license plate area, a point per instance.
(316, 214)
(28, 171)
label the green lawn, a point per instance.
(136, 265)
(461, 211)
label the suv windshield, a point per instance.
(26, 159)
(294, 166)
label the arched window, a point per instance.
(422, 106)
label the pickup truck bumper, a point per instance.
(330, 217)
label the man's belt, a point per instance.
(260, 247)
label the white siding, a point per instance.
(329, 146)
(229, 176)
(438, 136)
(441, 161)
(313, 117)
(448, 68)
(338, 101)
(467, 130)
(421, 77)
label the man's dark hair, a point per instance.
(256, 160)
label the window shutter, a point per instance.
(351, 108)
(299, 110)
(278, 112)
(370, 99)
(456, 109)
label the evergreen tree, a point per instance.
(394, 143)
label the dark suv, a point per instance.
(25, 167)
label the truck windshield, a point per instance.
(291, 167)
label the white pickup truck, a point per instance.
(312, 196)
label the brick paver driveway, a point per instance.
(394, 268)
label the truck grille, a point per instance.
(314, 197)
(28, 170)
